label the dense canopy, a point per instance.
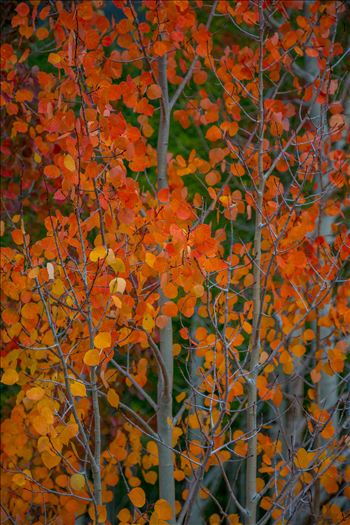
(175, 262)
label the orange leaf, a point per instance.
(308, 335)
(162, 321)
(311, 52)
(24, 95)
(163, 195)
(50, 460)
(54, 58)
(17, 236)
(22, 9)
(103, 340)
(170, 291)
(328, 431)
(9, 377)
(303, 458)
(102, 513)
(92, 357)
(113, 398)
(124, 515)
(247, 327)
(35, 394)
(163, 509)
(137, 497)
(52, 172)
(154, 92)
(150, 259)
(298, 350)
(237, 170)
(213, 134)
(19, 480)
(42, 33)
(170, 309)
(78, 389)
(160, 48)
(198, 290)
(212, 178)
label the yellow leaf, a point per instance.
(148, 322)
(103, 340)
(163, 509)
(137, 497)
(117, 301)
(78, 389)
(113, 398)
(117, 285)
(150, 259)
(110, 258)
(10, 377)
(118, 265)
(97, 253)
(69, 163)
(92, 357)
(303, 458)
(58, 288)
(36, 393)
(77, 481)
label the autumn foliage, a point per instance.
(175, 262)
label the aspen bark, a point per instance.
(327, 388)
(251, 466)
(195, 512)
(165, 409)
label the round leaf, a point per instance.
(163, 509)
(113, 398)
(103, 340)
(10, 377)
(77, 481)
(137, 497)
(92, 357)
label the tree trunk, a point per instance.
(251, 467)
(165, 409)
